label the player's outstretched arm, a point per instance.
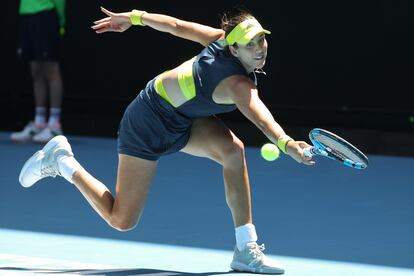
(244, 94)
(120, 22)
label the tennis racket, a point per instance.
(332, 146)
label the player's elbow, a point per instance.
(174, 27)
(178, 28)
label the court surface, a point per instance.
(321, 220)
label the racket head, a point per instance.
(338, 148)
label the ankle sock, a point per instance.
(245, 234)
(54, 116)
(68, 165)
(40, 116)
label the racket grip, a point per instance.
(309, 152)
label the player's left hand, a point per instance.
(115, 22)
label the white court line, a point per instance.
(32, 250)
(11, 264)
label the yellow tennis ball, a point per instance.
(270, 152)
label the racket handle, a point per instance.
(312, 151)
(309, 152)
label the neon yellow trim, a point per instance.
(186, 79)
(159, 87)
(136, 17)
(282, 142)
(245, 31)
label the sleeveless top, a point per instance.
(209, 68)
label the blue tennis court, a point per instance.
(322, 220)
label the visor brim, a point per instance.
(251, 34)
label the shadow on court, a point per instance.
(113, 272)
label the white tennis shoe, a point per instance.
(27, 134)
(252, 259)
(43, 163)
(47, 134)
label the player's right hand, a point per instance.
(295, 150)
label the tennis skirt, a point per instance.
(151, 127)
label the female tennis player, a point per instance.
(175, 112)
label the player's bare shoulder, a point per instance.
(225, 91)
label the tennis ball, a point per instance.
(270, 152)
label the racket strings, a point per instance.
(339, 149)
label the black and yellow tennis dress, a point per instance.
(152, 126)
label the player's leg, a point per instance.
(212, 139)
(134, 179)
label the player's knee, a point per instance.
(123, 224)
(234, 153)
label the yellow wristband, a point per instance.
(136, 17)
(282, 142)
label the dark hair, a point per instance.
(229, 21)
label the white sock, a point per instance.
(40, 115)
(54, 116)
(68, 165)
(244, 235)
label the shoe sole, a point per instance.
(26, 165)
(50, 145)
(240, 267)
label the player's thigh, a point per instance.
(134, 180)
(211, 138)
